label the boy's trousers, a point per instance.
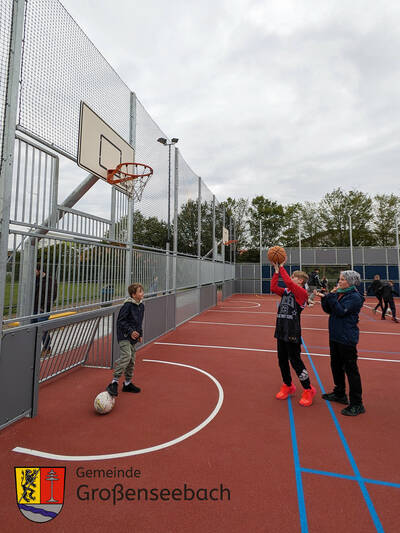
(126, 362)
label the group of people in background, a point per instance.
(383, 291)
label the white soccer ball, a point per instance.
(103, 403)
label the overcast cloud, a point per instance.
(288, 99)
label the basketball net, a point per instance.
(134, 176)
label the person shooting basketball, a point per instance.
(288, 331)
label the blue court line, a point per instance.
(367, 498)
(297, 469)
(351, 478)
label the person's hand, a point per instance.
(276, 266)
(335, 289)
(321, 294)
(134, 335)
(140, 339)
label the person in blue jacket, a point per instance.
(343, 304)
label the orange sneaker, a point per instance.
(307, 397)
(285, 392)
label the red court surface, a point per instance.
(210, 425)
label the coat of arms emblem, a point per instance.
(40, 491)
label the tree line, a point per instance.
(324, 223)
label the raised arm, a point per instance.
(274, 285)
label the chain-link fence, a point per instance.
(72, 258)
(5, 34)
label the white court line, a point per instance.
(241, 307)
(213, 414)
(378, 310)
(264, 350)
(266, 326)
(256, 312)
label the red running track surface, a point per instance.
(247, 447)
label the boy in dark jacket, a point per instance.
(376, 289)
(288, 333)
(343, 304)
(129, 332)
(387, 296)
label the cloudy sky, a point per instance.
(286, 98)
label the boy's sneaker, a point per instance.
(285, 392)
(333, 397)
(307, 397)
(130, 388)
(112, 388)
(353, 410)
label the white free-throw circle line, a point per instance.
(241, 307)
(195, 430)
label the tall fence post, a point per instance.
(260, 257)
(351, 243)
(223, 245)
(300, 258)
(213, 236)
(131, 206)
(398, 251)
(7, 150)
(199, 233)
(112, 217)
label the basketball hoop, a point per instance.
(134, 176)
(232, 241)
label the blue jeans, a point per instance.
(46, 335)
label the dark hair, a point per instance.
(134, 287)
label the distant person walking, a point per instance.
(387, 295)
(45, 295)
(376, 289)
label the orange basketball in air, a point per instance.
(276, 254)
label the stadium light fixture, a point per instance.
(164, 141)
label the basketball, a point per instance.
(276, 254)
(103, 403)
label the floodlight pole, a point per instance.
(169, 194)
(351, 243)
(164, 141)
(176, 200)
(260, 257)
(397, 249)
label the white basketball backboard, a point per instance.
(100, 148)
